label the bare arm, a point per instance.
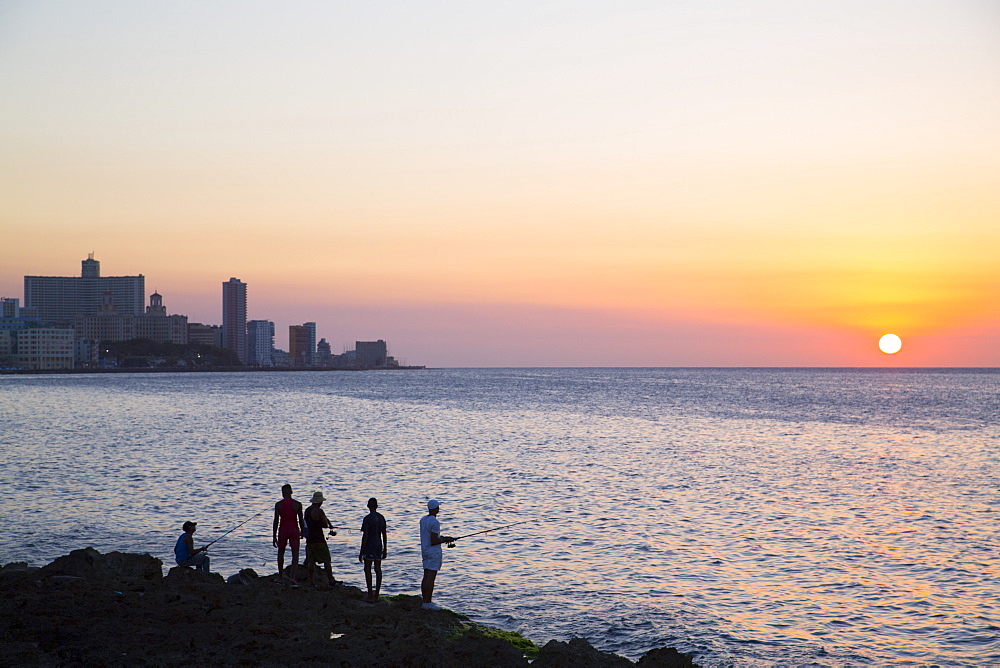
(437, 539)
(361, 550)
(189, 541)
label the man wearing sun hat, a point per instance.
(430, 550)
(317, 551)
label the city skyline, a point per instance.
(59, 301)
(535, 184)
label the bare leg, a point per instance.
(368, 578)
(295, 565)
(378, 579)
(329, 575)
(281, 564)
(427, 585)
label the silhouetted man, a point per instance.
(430, 550)
(373, 548)
(184, 552)
(288, 527)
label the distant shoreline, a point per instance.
(227, 369)
(214, 369)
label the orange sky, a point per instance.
(530, 184)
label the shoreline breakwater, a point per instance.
(119, 609)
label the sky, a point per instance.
(668, 183)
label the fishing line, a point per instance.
(233, 529)
(505, 526)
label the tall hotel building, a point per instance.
(234, 317)
(260, 343)
(60, 299)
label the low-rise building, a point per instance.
(324, 354)
(8, 340)
(107, 324)
(371, 354)
(281, 358)
(41, 348)
(206, 335)
(86, 353)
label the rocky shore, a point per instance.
(118, 609)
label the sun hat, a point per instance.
(432, 504)
(189, 525)
(317, 497)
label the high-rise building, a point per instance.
(260, 342)
(302, 344)
(91, 268)
(234, 317)
(60, 299)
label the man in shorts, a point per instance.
(288, 528)
(317, 551)
(430, 550)
(373, 548)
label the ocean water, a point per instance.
(771, 517)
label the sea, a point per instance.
(750, 517)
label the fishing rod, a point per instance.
(505, 526)
(233, 529)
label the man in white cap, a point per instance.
(430, 550)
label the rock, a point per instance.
(666, 657)
(183, 575)
(486, 652)
(244, 577)
(18, 570)
(137, 566)
(81, 563)
(15, 566)
(90, 564)
(577, 653)
(114, 610)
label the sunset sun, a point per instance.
(890, 343)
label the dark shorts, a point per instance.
(318, 553)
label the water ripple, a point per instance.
(755, 517)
